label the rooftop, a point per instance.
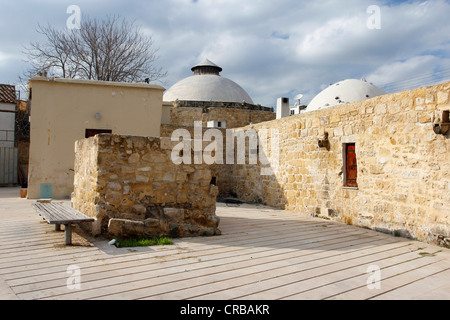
(98, 83)
(207, 85)
(346, 91)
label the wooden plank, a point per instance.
(154, 289)
(148, 283)
(279, 278)
(109, 271)
(258, 247)
(234, 247)
(308, 279)
(233, 287)
(57, 213)
(398, 278)
(71, 213)
(431, 287)
(2, 166)
(246, 254)
(202, 252)
(8, 165)
(357, 277)
(15, 165)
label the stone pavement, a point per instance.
(262, 254)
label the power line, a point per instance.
(447, 70)
(413, 82)
(417, 81)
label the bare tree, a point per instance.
(111, 50)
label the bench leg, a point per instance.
(57, 227)
(68, 233)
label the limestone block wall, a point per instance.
(184, 113)
(220, 173)
(131, 187)
(403, 166)
(234, 118)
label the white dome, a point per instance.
(345, 91)
(207, 85)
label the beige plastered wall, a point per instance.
(62, 109)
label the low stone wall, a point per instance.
(403, 166)
(221, 173)
(131, 187)
(184, 113)
(218, 104)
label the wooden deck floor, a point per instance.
(263, 254)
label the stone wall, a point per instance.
(131, 187)
(220, 104)
(184, 113)
(234, 118)
(221, 173)
(403, 166)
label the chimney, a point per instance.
(282, 108)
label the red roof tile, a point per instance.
(7, 93)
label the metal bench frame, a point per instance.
(57, 213)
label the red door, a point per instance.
(352, 169)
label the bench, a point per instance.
(57, 213)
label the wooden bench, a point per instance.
(57, 213)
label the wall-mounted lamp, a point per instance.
(324, 143)
(97, 116)
(444, 125)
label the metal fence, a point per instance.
(8, 166)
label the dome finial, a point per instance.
(206, 67)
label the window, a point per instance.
(350, 165)
(216, 124)
(92, 132)
(446, 116)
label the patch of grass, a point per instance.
(142, 242)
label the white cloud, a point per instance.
(4, 57)
(410, 73)
(273, 48)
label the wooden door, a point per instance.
(352, 168)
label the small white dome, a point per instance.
(207, 85)
(345, 91)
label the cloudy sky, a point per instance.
(271, 48)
